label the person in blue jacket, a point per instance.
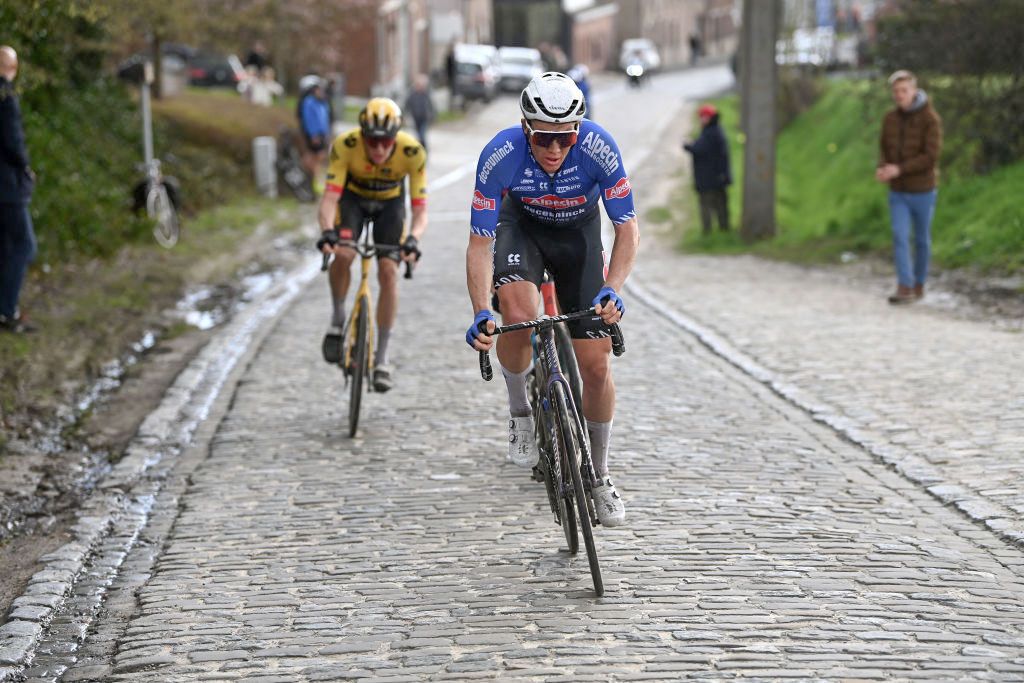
(536, 207)
(315, 120)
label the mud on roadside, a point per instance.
(51, 462)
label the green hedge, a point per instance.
(84, 146)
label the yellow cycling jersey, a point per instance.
(351, 170)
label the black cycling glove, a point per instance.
(411, 245)
(328, 237)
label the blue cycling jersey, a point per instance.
(507, 171)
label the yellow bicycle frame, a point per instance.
(362, 295)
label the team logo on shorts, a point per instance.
(482, 203)
(618, 190)
(550, 201)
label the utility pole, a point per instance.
(758, 81)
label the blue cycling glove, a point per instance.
(609, 293)
(474, 329)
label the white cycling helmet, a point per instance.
(552, 97)
(309, 81)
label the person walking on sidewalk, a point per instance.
(17, 241)
(421, 108)
(910, 144)
(711, 174)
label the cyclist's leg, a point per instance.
(518, 267)
(577, 280)
(350, 225)
(388, 228)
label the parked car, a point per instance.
(642, 50)
(214, 70)
(517, 66)
(476, 77)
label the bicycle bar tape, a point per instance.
(618, 343)
(485, 366)
(323, 265)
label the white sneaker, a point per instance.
(607, 503)
(521, 440)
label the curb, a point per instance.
(996, 518)
(163, 435)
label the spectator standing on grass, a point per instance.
(711, 173)
(910, 144)
(421, 108)
(315, 121)
(17, 240)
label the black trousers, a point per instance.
(714, 203)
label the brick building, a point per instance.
(671, 23)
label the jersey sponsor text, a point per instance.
(492, 161)
(482, 203)
(601, 152)
(619, 189)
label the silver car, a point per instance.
(518, 66)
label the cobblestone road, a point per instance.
(760, 544)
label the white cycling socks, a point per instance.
(600, 434)
(518, 401)
(383, 335)
(338, 316)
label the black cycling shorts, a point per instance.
(574, 256)
(388, 216)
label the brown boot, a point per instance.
(918, 291)
(903, 295)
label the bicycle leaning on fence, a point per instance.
(356, 357)
(564, 464)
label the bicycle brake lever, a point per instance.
(618, 342)
(485, 366)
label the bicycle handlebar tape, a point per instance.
(485, 366)
(325, 262)
(618, 343)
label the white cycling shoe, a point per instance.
(607, 503)
(521, 442)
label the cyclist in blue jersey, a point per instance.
(536, 207)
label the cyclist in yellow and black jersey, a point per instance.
(365, 179)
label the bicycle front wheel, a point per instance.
(358, 363)
(570, 435)
(549, 463)
(162, 211)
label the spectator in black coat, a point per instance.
(711, 175)
(17, 241)
(420, 107)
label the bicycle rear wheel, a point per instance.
(161, 209)
(570, 433)
(358, 363)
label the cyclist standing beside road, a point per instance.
(536, 205)
(365, 178)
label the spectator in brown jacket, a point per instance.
(910, 144)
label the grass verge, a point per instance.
(828, 202)
(90, 310)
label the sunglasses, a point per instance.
(380, 143)
(546, 138)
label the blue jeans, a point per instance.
(906, 209)
(17, 249)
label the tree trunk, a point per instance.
(759, 77)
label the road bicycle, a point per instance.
(289, 166)
(161, 206)
(564, 463)
(356, 357)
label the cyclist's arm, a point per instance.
(327, 211)
(479, 271)
(624, 248)
(418, 193)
